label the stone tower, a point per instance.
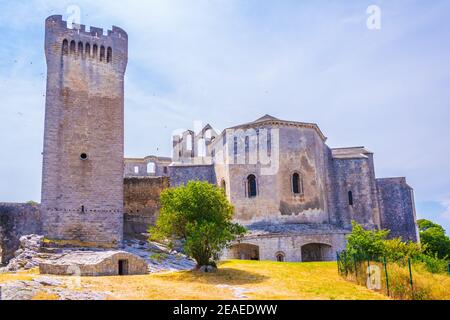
(83, 158)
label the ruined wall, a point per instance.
(142, 203)
(17, 220)
(159, 167)
(398, 212)
(82, 180)
(181, 175)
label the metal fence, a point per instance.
(392, 278)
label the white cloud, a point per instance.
(225, 62)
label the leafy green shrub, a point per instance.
(431, 263)
(368, 243)
(396, 249)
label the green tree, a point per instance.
(200, 215)
(396, 249)
(435, 239)
(363, 242)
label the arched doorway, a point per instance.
(244, 251)
(280, 256)
(316, 252)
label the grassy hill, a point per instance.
(234, 280)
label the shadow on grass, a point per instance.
(228, 276)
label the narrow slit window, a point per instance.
(296, 183)
(65, 47)
(251, 186)
(102, 53)
(95, 51)
(87, 50)
(80, 48)
(350, 198)
(109, 55)
(72, 47)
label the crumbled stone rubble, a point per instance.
(159, 257)
(57, 289)
(32, 252)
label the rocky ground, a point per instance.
(43, 287)
(32, 251)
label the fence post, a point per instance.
(356, 268)
(411, 277)
(387, 276)
(345, 263)
(338, 263)
(368, 268)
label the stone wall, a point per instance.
(398, 212)
(355, 174)
(142, 203)
(102, 263)
(182, 174)
(17, 220)
(150, 166)
(290, 246)
(83, 156)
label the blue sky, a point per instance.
(226, 61)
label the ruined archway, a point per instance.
(316, 252)
(244, 251)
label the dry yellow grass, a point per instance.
(252, 279)
(45, 296)
(431, 286)
(23, 275)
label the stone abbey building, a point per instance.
(296, 196)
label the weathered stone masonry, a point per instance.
(82, 180)
(305, 222)
(141, 195)
(17, 220)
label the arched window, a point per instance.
(280, 256)
(102, 53)
(87, 50)
(109, 55)
(72, 46)
(251, 186)
(80, 48)
(151, 168)
(350, 198)
(65, 47)
(95, 51)
(297, 184)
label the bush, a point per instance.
(432, 264)
(200, 215)
(366, 243)
(396, 249)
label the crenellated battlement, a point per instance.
(78, 43)
(56, 22)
